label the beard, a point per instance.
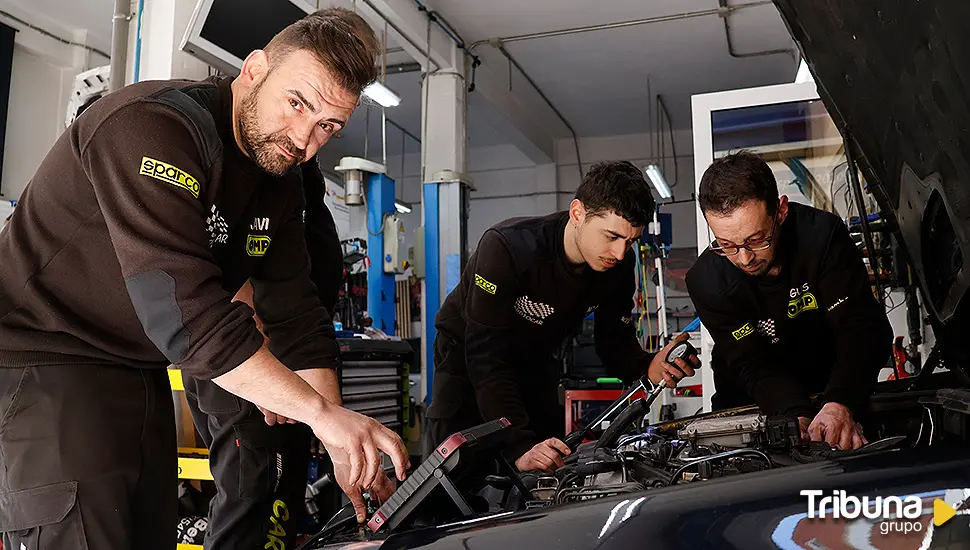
(262, 148)
(763, 268)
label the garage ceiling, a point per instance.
(598, 80)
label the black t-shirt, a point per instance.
(815, 328)
(518, 298)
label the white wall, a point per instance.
(163, 25)
(41, 81)
(507, 184)
(37, 104)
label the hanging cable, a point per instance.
(437, 18)
(424, 108)
(579, 160)
(673, 146)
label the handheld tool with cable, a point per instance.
(680, 351)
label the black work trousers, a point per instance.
(260, 471)
(87, 458)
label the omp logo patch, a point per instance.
(257, 245)
(743, 331)
(805, 302)
(481, 283)
(169, 173)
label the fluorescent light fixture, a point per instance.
(803, 74)
(657, 179)
(402, 207)
(382, 94)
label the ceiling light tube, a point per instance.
(657, 179)
(382, 94)
(401, 207)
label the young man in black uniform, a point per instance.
(529, 283)
(786, 297)
(147, 216)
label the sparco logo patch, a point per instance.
(743, 331)
(481, 283)
(169, 174)
(256, 245)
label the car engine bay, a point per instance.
(629, 457)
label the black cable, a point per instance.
(673, 144)
(727, 454)
(452, 33)
(863, 216)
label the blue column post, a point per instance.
(432, 280)
(380, 285)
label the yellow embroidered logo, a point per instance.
(805, 302)
(274, 538)
(169, 174)
(485, 285)
(743, 331)
(256, 245)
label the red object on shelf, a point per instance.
(576, 399)
(899, 358)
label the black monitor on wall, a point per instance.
(223, 32)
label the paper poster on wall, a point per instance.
(337, 203)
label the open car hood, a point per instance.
(894, 77)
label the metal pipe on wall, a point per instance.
(119, 44)
(727, 33)
(579, 161)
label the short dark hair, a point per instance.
(618, 187)
(339, 38)
(736, 179)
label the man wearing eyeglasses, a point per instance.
(786, 297)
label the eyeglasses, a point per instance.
(753, 245)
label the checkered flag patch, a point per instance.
(535, 312)
(216, 227)
(767, 329)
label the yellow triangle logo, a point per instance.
(942, 512)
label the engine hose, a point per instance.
(612, 434)
(727, 454)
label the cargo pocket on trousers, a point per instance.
(259, 461)
(42, 517)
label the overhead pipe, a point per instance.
(404, 68)
(48, 34)
(401, 128)
(579, 161)
(119, 44)
(426, 51)
(725, 8)
(723, 11)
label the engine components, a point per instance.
(731, 431)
